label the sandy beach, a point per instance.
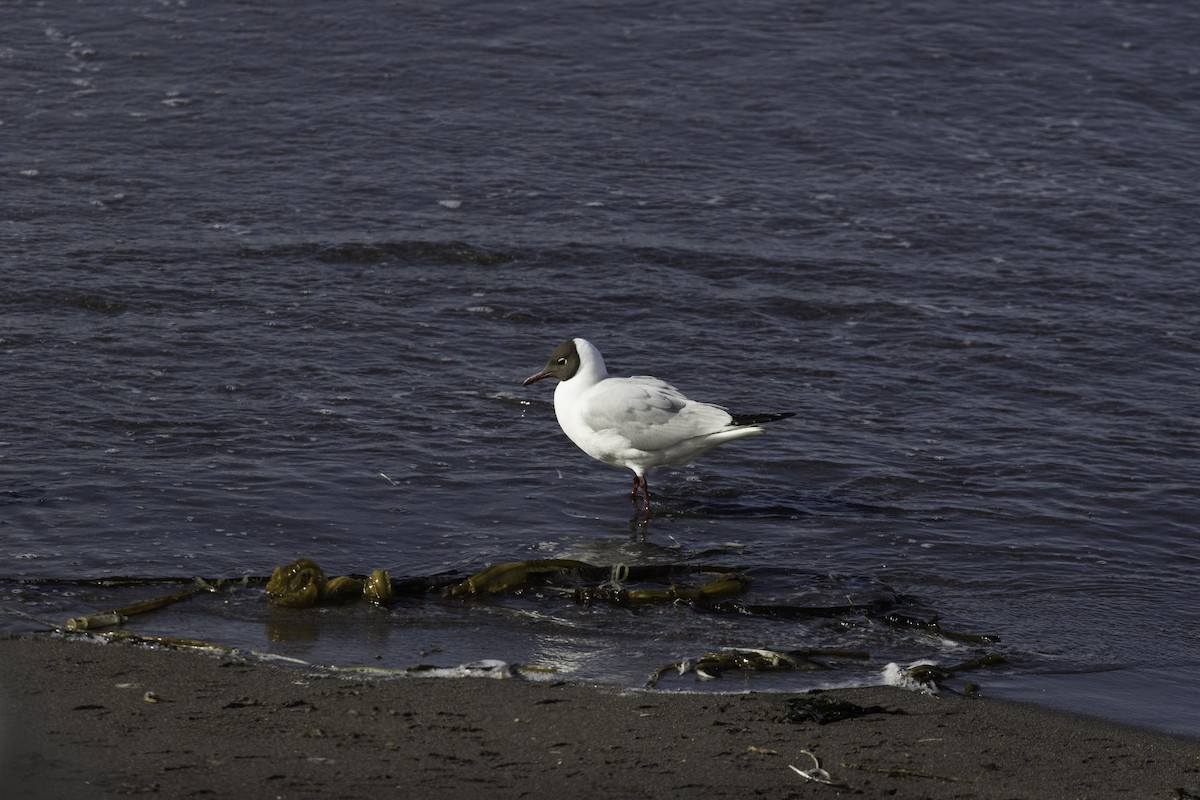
(81, 720)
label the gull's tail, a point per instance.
(758, 419)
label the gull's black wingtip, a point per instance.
(759, 419)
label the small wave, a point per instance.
(438, 253)
(895, 675)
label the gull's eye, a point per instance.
(562, 362)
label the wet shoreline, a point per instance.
(87, 720)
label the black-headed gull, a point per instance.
(638, 423)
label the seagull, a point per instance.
(638, 423)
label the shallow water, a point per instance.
(273, 278)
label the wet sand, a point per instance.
(80, 720)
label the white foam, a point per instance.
(896, 675)
(484, 668)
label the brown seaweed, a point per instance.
(931, 674)
(727, 585)
(302, 584)
(710, 666)
(515, 576)
(897, 619)
(705, 588)
(109, 619)
(821, 709)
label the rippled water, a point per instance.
(272, 278)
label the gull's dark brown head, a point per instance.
(563, 364)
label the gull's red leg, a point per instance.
(639, 485)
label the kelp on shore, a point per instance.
(708, 589)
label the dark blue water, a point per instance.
(272, 277)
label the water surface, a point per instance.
(272, 278)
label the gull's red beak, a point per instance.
(537, 376)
